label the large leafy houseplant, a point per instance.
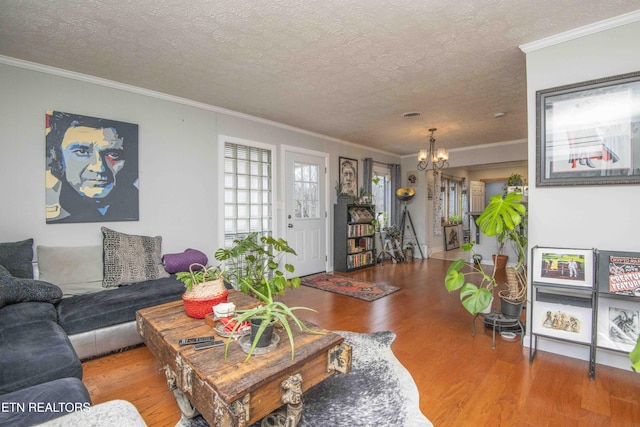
(501, 219)
(254, 265)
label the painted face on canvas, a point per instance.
(91, 159)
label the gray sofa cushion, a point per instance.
(81, 313)
(27, 312)
(15, 290)
(16, 257)
(24, 362)
(21, 404)
(76, 270)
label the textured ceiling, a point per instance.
(346, 69)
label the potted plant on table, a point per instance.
(502, 217)
(256, 265)
(269, 314)
(204, 289)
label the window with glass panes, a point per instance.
(382, 191)
(306, 191)
(247, 192)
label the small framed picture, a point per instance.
(412, 179)
(619, 273)
(618, 324)
(561, 266)
(562, 321)
(451, 237)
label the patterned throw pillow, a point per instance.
(130, 259)
(16, 257)
(15, 289)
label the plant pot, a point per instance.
(510, 309)
(489, 308)
(267, 335)
(500, 261)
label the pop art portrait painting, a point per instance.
(91, 169)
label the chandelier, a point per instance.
(438, 158)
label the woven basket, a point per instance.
(200, 299)
(198, 308)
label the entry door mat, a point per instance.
(361, 289)
(379, 391)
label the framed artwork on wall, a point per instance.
(348, 178)
(562, 266)
(589, 133)
(91, 170)
(412, 178)
(618, 323)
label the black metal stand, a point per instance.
(405, 214)
(385, 250)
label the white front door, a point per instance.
(306, 211)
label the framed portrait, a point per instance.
(618, 323)
(451, 237)
(589, 133)
(348, 178)
(619, 273)
(562, 266)
(91, 172)
(563, 321)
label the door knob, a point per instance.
(290, 225)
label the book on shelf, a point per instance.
(360, 215)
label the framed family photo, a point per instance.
(562, 266)
(589, 133)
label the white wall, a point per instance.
(603, 217)
(179, 166)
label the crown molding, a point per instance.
(33, 66)
(586, 30)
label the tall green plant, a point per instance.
(500, 218)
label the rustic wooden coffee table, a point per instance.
(231, 392)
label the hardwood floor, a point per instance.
(462, 381)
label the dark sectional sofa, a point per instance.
(44, 337)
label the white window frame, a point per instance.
(222, 139)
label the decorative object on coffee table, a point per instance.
(205, 288)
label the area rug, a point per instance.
(352, 287)
(378, 391)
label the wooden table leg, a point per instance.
(292, 397)
(187, 409)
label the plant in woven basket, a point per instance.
(204, 289)
(503, 217)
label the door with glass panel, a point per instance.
(305, 210)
